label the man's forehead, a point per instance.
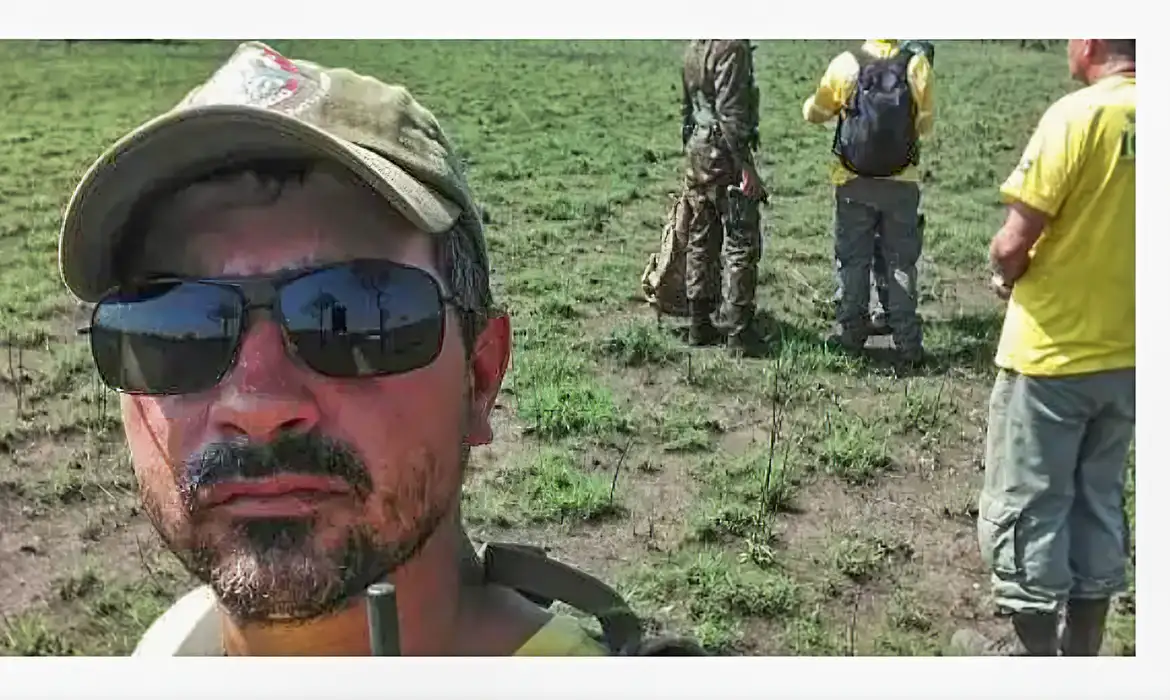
(238, 222)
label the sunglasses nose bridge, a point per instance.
(264, 393)
(262, 353)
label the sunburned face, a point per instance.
(286, 490)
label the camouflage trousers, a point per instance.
(869, 213)
(714, 242)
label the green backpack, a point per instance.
(533, 574)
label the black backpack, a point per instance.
(876, 134)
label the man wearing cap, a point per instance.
(291, 294)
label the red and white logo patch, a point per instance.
(258, 76)
(274, 78)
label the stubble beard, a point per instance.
(275, 570)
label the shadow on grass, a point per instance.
(965, 341)
(780, 333)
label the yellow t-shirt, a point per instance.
(838, 83)
(1073, 311)
(191, 627)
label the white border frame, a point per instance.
(722, 677)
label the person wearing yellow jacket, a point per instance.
(875, 178)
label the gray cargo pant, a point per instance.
(1052, 522)
(881, 273)
(867, 208)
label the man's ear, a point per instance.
(489, 364)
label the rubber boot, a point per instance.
(746, 342)
(1036, 633)
(1033, 634)
(852, 342)
(1084, 627)
(703, 331)
(743, 338)
(911, 357)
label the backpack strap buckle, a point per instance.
(531, 572)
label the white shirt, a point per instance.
(190, 627)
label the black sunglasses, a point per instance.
(363, 318)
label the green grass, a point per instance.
(638, 344)
(106, 615)
(642, 460)
(558, 398)
(854, 449)
(552, 487)
(862, 558)
(715, 595)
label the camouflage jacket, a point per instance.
(720, 100)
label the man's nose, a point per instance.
(265, 392)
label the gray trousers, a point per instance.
(872, 212)
(1052, 523)
(881, 273)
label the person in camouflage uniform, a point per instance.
(722, 189)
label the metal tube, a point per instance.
(382, 613)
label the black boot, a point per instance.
(1034, 634)
(1084, 627)
(743, 339)
(746, 343)
(703, 331)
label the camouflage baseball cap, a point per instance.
(261, 105)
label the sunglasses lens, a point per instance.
(364, 319)
(166, 338)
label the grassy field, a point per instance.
(619, 448)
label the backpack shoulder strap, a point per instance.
(863, 58)
(531, 572)
(904, 57)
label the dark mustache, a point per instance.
(304, 453)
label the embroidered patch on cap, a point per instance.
(258, 76)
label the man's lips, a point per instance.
(290, 494)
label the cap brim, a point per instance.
(188, 144)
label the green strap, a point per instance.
(529, 570)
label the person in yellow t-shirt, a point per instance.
(1052, 525)
(875, 178)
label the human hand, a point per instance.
(1002, 289)
(751, 185)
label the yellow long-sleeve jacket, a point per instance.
(839, 81)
